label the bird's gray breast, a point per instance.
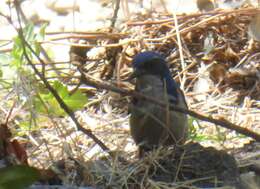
(150, 85)
(151, 123)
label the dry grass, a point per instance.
(106, 113)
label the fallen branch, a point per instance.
(62, 104)
(221, 122)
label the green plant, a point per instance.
(31, 93)
(18, 177)
(194, 130)
(47, 104)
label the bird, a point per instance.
(151, 125)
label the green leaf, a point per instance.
(47, 104)
(37, 48)
(5, 59)
(18, 177)
(76, 101)
(17, 53)
(41, 35)
(29, 32)
(1, 73)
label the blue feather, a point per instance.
(146, 58)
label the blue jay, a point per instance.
(150, 124)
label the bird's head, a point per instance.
(153, 63)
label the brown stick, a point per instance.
(62, 104)
(221, 122)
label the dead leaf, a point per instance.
(217, 72)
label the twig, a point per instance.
(114, 18)
(9, 114)
(112, 45)
(221, 122)
(87, 36)
(245, 11)
(105, 34)
(183, 64)
(62, 104)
